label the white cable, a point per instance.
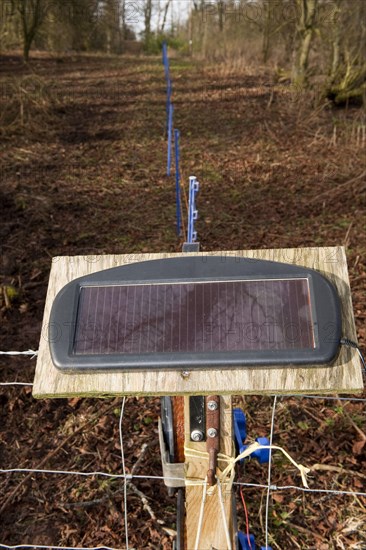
(223, 514)
(200, 519)
(86, 474)
(226, 527)
(57, 547)
(296, 487)
(123, 469)
(270, 468)
(29, 352)
(329, 397)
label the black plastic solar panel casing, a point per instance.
(320, 344)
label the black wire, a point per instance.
(351, 344)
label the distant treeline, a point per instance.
(322, 41)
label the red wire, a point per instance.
(246, 516)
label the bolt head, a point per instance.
(211, 432)
(197, 435)
(212, 405)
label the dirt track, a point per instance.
(83, 160)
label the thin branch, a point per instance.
(340, 186)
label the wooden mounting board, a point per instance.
(344, 377)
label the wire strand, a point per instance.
(57, 547)
(270, 468)
(223, 514)
(123, 470)
(30, 352)
(16, 384)
(200, 518)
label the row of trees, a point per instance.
(316, 40)
(311, 37)
(65, 25)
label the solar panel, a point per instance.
(194, 317)
(195, 312)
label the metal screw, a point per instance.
(197, 435)
(212, 406)
(211, 432)
(185, 374)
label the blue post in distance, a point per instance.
(166, 60)
(192, 212)
(170, 136)
(168, 81)
(177, 178)
(168, 101)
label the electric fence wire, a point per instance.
(269, 487)
(58, 547)
(123, 469)
(30, 352)
(16, 384)
(270, 469)
(33, 354)
(166, 478)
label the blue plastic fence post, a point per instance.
(177, 178)
(166, 60)
(168, 81)
(192, 212)
(170, 136)
(168, 101)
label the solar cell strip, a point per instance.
(194, 317)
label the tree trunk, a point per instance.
(165, 16)
(221, 9)
(26, 49)
(147, 14)
(32, 13)
(266, 32)
(305, 31)
(336, 41)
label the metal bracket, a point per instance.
(197, 418)
(174, 474)
(213, 435)
(191, 247)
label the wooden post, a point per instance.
(213, 531)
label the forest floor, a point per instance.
(83, 159)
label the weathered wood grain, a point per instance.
(213, 534)
(344, 377)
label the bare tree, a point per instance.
(7, 14)
(147, 20)
(165, 15)
(124, 16)
(347, 65)
(33, 14)
(305, 32)
(221, 12)
(336, 39)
